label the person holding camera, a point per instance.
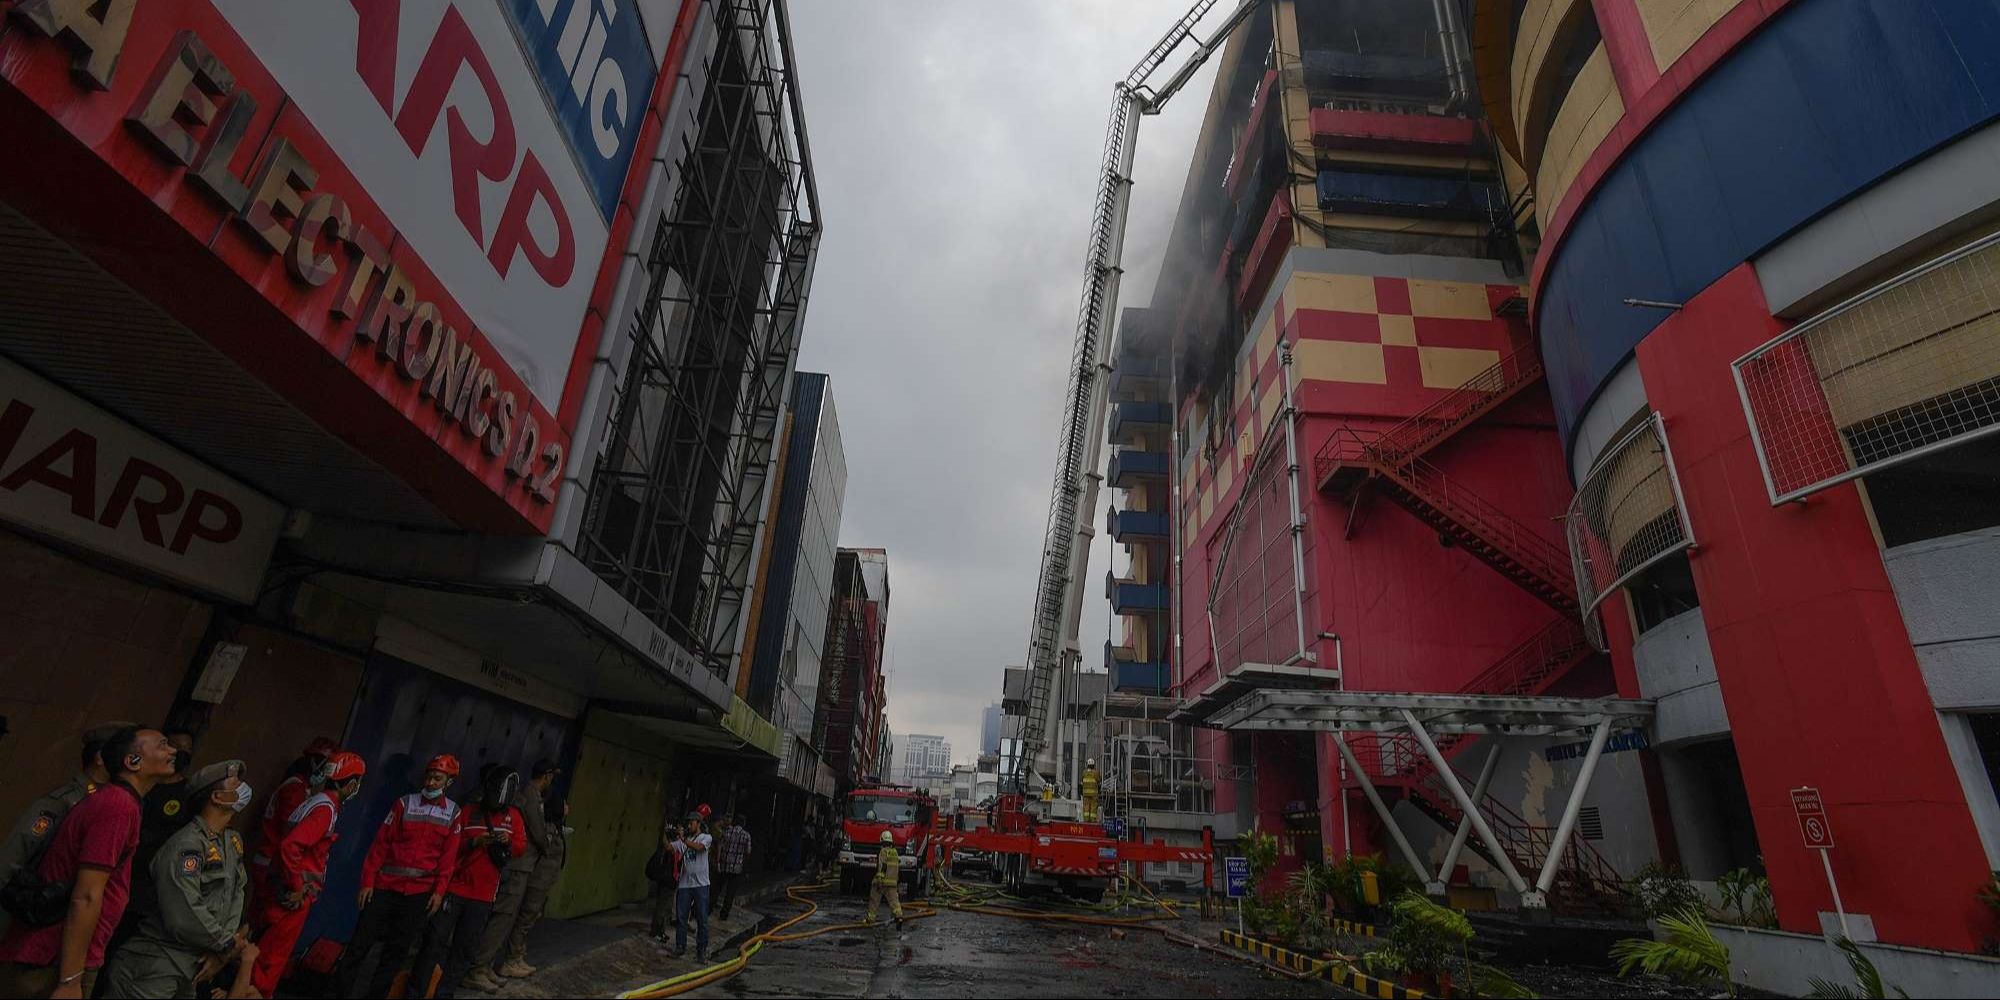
(493, 833)
(691, 896)
(66, 904)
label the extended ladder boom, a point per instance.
(1052, 641)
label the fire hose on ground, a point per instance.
(952, 896)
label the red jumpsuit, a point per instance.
(416, 850)
(285, 800)
(299, 866)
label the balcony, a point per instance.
(1128, 527)
(1384, 131)
(1129, 597)
(1130, 467)
(1131, 420)
(1133, 676)
(1410, 195)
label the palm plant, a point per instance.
(1867, 981)
(1690, 953)
(1422, 938)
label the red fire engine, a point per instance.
(1080, 860)
(908, 814)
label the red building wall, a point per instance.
(1816, 667)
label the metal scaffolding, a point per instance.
(677, 500)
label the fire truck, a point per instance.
(909, 814)
(1081, 860)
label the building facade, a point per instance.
(1341, 471)
(464, 445)
(1761, 295)
(849, 721)
(790, 619)
(922, 758)
(989, 729)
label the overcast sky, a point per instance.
(956, 144)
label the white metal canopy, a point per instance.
(1384, 711)
(1240, 703)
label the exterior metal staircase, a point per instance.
(1393, 460)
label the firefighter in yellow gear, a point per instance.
(1090, 791)
(888, 873)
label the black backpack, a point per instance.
(30, 898)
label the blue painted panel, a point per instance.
(597, 71)
(1829, 98)
(1364, 191)
(403, 716)
(1135, 525)
(1128, 465)
(1145, 678)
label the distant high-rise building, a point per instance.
(922, 758)
(989, 729)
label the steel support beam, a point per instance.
(1452, 784)
(1568, 825)
(1375, 799)
(1465, 823)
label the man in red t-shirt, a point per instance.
(492, 834)
(91, 851)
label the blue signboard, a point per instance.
(597, 71)
(1236, 877)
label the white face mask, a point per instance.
(242, 797)
(432, 794)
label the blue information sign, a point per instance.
(1236, 877)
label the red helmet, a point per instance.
(321, 747)
(703, 810)
(344, 765)
(443, 762)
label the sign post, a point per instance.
(1236, 883)
(1818, 835)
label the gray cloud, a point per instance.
(956, 146)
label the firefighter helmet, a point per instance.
(887, 837)
(344, 765)
(444, 763)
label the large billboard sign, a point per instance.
(596, 70)
(422, 188)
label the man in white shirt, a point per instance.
(692, 892)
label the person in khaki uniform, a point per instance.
(888, 876)
(198, 926)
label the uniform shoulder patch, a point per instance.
(171, 808)
(190, 863)
(42, 825)
(235, 842)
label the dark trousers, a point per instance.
(450, 941)
(663, 908)
(394, 920)
(691, 904)
(723, 895)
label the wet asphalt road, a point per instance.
(974, 955)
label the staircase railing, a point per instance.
(1450, 413)
(1549, 562)
(1527, 844)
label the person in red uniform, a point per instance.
(298, 869)
(493, 833)
(403, 879)
(302, 779)
(85, 875)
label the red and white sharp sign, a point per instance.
(1813, 825)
